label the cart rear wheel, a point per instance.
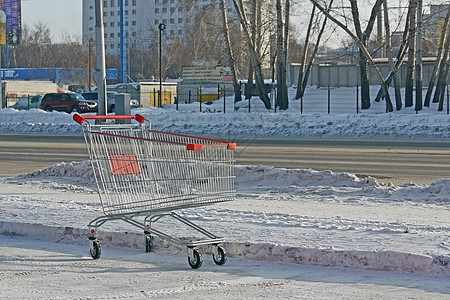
(221, 257)
(148, 243)
(196, 260)
(96, 250)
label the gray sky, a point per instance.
(63, 17)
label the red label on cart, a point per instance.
(126, 164)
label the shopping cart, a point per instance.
(142, 172)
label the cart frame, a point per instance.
(133, 168)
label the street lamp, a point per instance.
(161, 27)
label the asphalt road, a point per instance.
(393, 160)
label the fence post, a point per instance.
(200, 92)
(301, 105)
(154, 97)
(29, 100)
(357, 99)
(178, 98)
(189, 96)
(224, 99)
(218, 92)
(329, 101)
(448, 105)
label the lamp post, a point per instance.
(161, 27)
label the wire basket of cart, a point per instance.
(146, 173)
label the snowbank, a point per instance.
(274, 213)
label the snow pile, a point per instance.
(262, 224)
(294, 215)
(212, 121)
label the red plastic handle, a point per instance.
(80, 119)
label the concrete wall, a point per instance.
(349, 76)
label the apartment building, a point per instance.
(140, 19)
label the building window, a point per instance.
(112, 24)
(180, 32)
(157, 10)
(112, 3)
(105, 3)
(111, 14)
(133, 23)
(133, 12)
(172, 21)
(111, 35)
(111, 46)
(172, 9)
(156, 21)
(164, 10)
(133, 3)
(172, 32)
(180, 20)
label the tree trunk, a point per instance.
(409, 86)
(300, 89)
(364, 37)
(253, 57)
(361, 44)
(282, 97)
(439, 59)
(442, 77)
(419, 57)
(387, 28)
(229, 53)
(314, 53)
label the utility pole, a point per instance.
(100, 53)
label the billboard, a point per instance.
(10, 22)
(211, 74)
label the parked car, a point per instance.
(28, 102)
(68, 102)
(110, 98)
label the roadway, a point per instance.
(394, 160)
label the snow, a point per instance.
(280, 219)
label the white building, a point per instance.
(140, 17)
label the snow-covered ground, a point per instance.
(300, 216)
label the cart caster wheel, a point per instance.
(221, 257)
(96, 250)
(196, 260)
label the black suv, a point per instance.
(68, 102)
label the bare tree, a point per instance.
(389, 53)
(282, 38)
(363, 37)
(229, 52)
(409, 85)
(255, 60)
(363, 51)
(305, 67)
(440, 58)
(419, 35)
